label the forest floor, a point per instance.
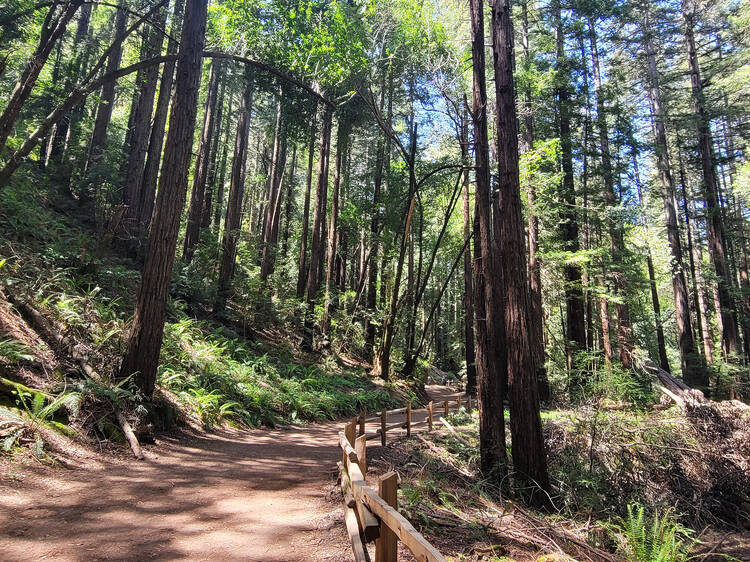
(229, 494)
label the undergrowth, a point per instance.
(222, 377)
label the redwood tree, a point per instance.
(144, 345)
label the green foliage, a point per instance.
(14, 351)
(223, 376)
(653, 538)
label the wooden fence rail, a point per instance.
(373, 516)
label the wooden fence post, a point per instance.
(386, 547)
(447, 407)
(383, 420)
(408, 418)
(360, 447)
(350, 430)
(458, 402)
(429, 416)
(362, 422)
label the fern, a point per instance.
(14, 351)
(654, 538)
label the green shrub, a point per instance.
(653, 538)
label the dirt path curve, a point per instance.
(239, 495)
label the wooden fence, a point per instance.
(373, 516)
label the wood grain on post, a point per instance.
(408, 419)
(383, 421)
(350, 430)
(360, 447)
(361, 422)
(429, 416)
(352, 527)
(386, 547)
(368, 523)
(446, 406)
(458, 402)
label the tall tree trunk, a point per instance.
(663, 360)
(489, 325)
(529, 456)
(693, 371)
(139, 138)
(290, 197)
(715, 225)
(195, 212)
(144, 345)
(372, 266)
(342, 147)
(156, 142)
(208, 196)
(693, 255)
(317, 248)
(536, 312)
(73, 71)
(275, 192)
(219, 205)
(468, 301)
(55, 22)
(233, 218)
(614, 226)
(574, 308)
(107, 95)
(382, 365)
(303, 266)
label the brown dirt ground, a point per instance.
(229, 495)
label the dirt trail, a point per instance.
(233, 495)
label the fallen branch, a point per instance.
(455, 434)
(53, 336)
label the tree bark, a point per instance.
(107, 95)
(468, 301)
(489, 325)
(663, 360)
(55, 22)
(303, 267)
(529, 456)
(614, 226)
(574, 307)
(290, 197)
(715, 226)
(195, 212)
(206, 212)
(156, 142)
(693, 371)
(536, 312)
(319, 217)
(142, 355)
(342, 147)
(275, 192)
(139, 138)
(233, 218)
